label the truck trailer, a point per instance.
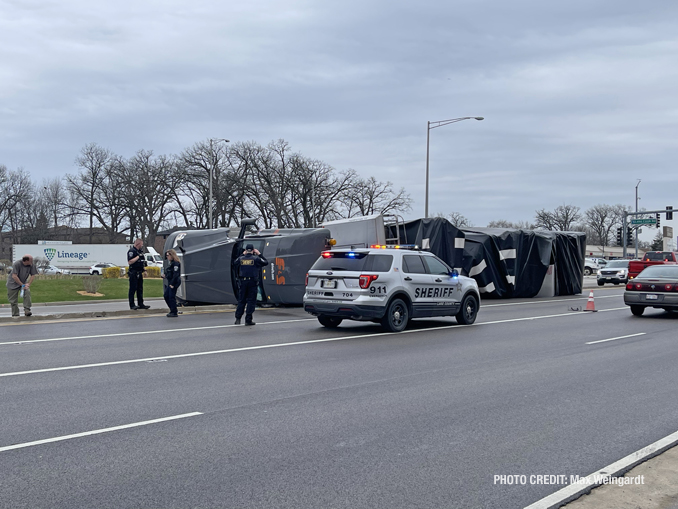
(75, 257)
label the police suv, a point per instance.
(388, 285)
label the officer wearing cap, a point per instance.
(248, 266)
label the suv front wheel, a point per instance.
(469, 310)
(396, 317)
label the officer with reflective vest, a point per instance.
(248, 266)
(137, 267)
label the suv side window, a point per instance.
(378, 263)
(435, 266)
(412, 264)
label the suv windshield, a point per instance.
(617, 264)
(357, 262)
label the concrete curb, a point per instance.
(79, 302)
(122, 312)
(616, 469)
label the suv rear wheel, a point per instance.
(469, 310)
(396, 317)
(331, 322)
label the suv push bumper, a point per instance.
(356, 312)
(610, 279)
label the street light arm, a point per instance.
(441, 123)
(433, 125)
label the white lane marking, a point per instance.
(282, 345)
(164, 331)
(616, 469)
(187, 329)
(96, 432)
(483, 306)
(614, 339)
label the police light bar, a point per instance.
(402, 246)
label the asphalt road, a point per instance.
(289, 414)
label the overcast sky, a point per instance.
(579, 97)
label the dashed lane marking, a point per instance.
(282, 345)
(96, 432)
(618, 337)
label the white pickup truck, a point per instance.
(593, 265)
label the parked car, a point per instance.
(656, 287)
(98, 269)
(615, 272)
(53, 270)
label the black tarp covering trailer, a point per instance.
(207, 263)
(505, 263)
(520, 263)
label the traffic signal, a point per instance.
(659, 217)
(620, 239)
(629, 236)
(669, 213)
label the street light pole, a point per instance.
(213, 162)
(432, 125)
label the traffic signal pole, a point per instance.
(669, 215)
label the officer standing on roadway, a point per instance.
(248, 266)
(137, 268)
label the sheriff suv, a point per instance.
(388, 285)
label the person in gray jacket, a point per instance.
(21, 277)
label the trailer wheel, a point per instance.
(331, 322)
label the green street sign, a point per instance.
(649, 220)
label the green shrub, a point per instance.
(153, 271)
(112, 272)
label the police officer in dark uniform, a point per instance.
(248, 266)
(172, 277)
(137, 267)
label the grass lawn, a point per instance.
(65, 288)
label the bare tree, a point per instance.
(563, 218)
(18, 198)
(150, 186)
(456, 218)
(600, 221)
(55, 196)
(86, 185)
(503, 223)
(369, 196)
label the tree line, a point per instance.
(599, 222)
(146, 193)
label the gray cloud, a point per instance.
(578, 96)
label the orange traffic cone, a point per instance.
(590, 305)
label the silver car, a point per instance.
(616, 271)
(656, 287)
(388, 286)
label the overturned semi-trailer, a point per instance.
(207, 258)
(505, 263)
